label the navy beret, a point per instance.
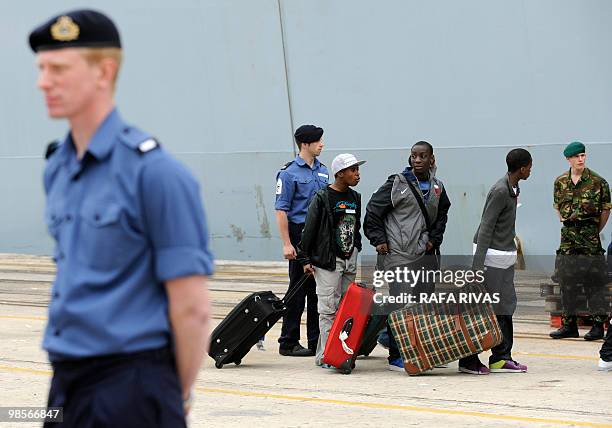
(76, 29)
(308, 134)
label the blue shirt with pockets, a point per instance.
(296, 184)
(125, 218)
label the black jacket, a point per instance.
(438, 227)
(318, 246)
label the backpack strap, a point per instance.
(419, 199)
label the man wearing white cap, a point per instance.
(331, 241)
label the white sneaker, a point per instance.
(604, 366)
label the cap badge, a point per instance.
(65, 29)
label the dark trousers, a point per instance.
(500, 281)
(290, 332)
(126, 390)
(575, 272)
(397, 289)
(503, 351)
(605, 352)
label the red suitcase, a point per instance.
(347, 331)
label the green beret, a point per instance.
(574, 149)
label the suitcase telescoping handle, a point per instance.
(291, 293)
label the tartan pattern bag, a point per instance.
(431, 334)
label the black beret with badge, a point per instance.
(308, 134)
(80, 28)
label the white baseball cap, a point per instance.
(343, 161)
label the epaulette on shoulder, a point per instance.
(138, 140)
(148, 145)
(286, 165)
(51, 148)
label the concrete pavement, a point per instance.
(562, 388)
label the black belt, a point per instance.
(579, 223)
(159, 354)
(296, 226)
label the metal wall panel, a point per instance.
(475, 78)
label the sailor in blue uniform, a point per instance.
(296, 184)
(129, 310)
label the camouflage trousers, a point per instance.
(580, 240)
(580, 265)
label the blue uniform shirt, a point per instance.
(125, 218)
(296, 184)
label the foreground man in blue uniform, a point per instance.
(129, 314)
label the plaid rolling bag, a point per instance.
(428, 335)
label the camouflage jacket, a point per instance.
(583, 200)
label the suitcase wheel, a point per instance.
(237, 362)
(218, 364)
(346, 367)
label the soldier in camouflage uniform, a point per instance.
(582, 200)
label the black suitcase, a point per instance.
(370, 337)
(251, 319)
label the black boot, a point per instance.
(596, 332)
(566, 330)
